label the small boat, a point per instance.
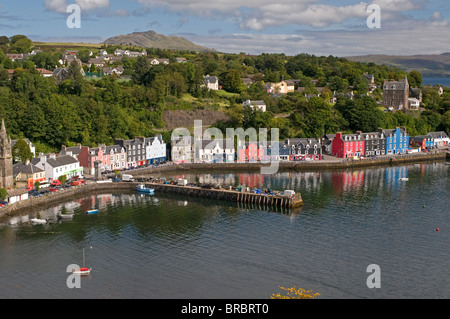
(92, 211)
(39, 220)
(404, 179)
(65, 216)
(83, 270)
(142, 189)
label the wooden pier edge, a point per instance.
(276, 200)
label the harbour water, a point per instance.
(167, 246)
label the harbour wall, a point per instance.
(79, 191)
(51, 198)
(292, 166)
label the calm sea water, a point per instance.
(165, 246)
(436, 81)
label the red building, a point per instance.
(348, 145)
(251, 153)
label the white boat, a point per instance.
(65, 216)
(39, 220)
(83, 271)
(404, 179)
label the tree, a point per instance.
(232, 81)
(37, 185)
(21, 151)
(414, 79)
(20, 44)
(361, 113)
(62, 179)
(141, 69)
(3, 194)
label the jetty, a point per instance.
(242, 195)
(239, 195)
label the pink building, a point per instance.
(88, 156)
(250, 153)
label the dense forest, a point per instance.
(92, 111)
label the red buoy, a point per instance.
(437, 229)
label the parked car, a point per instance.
(55, 182)
(53, 189)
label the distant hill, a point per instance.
(428, 65)
(151, 39)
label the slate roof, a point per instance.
(24, 168)
(61, 161)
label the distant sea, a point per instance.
(436, 81)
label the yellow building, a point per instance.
(25, 175)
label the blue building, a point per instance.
(283, 148)
(397, 141)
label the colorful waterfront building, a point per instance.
(250, 152)
(421, 141)
(397, 141)
(348, 145)
(304, 149)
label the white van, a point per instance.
(127, 178)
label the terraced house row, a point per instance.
(359, 144)
(81, 160)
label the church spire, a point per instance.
(3, 129)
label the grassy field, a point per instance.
(67, 45)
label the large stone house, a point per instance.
(396, 94)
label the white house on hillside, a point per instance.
(255, 105)
(211, 82)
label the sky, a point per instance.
(319, 27)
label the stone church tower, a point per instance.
(6, 163)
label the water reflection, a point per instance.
(170, 246)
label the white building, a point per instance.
(17, 195)
(155, 150)
(413, 103)
(182, 149)
(211, 82)
(440, 138)
(215, 151)
(56, 166)
(255, 105)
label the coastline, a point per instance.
(51, 198)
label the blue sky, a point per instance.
(320, 27)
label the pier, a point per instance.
(275, 200)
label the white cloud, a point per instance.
(401, 38)
(85, 5)
(263, 14)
